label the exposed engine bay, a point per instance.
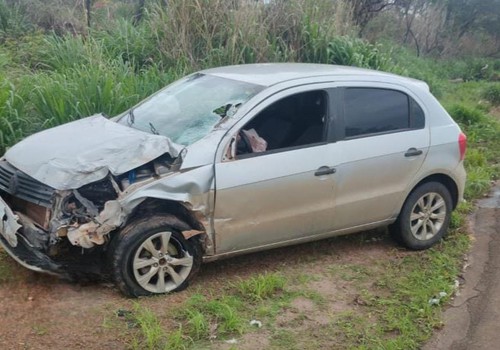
(57, 223)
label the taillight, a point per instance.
(462, 145)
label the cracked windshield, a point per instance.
(188, 109)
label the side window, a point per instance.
(417, 115)
(372, 110)
(296, 120)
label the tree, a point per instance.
(467, 15)
(88, 8)
(365, 10)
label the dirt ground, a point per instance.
(472, 320)
(42, 312)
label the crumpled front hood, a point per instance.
(75, 154)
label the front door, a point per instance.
(273, 198)
(286, 192)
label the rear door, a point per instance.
(384, 144)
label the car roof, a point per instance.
(268, 74)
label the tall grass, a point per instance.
(49, 98)
(14, 124)
(13, 20)
(110, 88)
(53, 79)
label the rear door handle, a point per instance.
(412, 152)
(324, 170)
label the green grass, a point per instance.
(393, 309)
(219, 317)
(198, 324)
(492, 94)
(10, 271)
(152, 333)
(177, 341)
(49, 79)
(261, 286)
(202, 318)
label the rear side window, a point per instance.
(417, 116)
(372, 111)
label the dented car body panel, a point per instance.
(68, 191)
(93, 147)
(9, 224)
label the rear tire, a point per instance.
(151, 256)
(424, 218)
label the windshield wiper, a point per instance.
(153, 129)
(130, 117)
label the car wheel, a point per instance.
(424, 218)
(152, 257)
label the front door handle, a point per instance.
(412, 152)
(324, 170)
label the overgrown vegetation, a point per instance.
(54, 69)
(492, 94)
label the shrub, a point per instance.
(492, 94)
(466, 115)
(477, 69)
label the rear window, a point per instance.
(371, 111)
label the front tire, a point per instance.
(424, 218)
(151, 256)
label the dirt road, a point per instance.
(473, 320)
(41, 312)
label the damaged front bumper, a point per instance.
(31, 254)
(46, 230)
(67, 231)
(30, 258)
(20, 249)
(8, 224)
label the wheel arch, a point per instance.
(445, 180)
(183, 219)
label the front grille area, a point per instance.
(20, 185)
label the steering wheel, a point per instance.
(244, 145)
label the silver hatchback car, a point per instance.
(229, 161)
